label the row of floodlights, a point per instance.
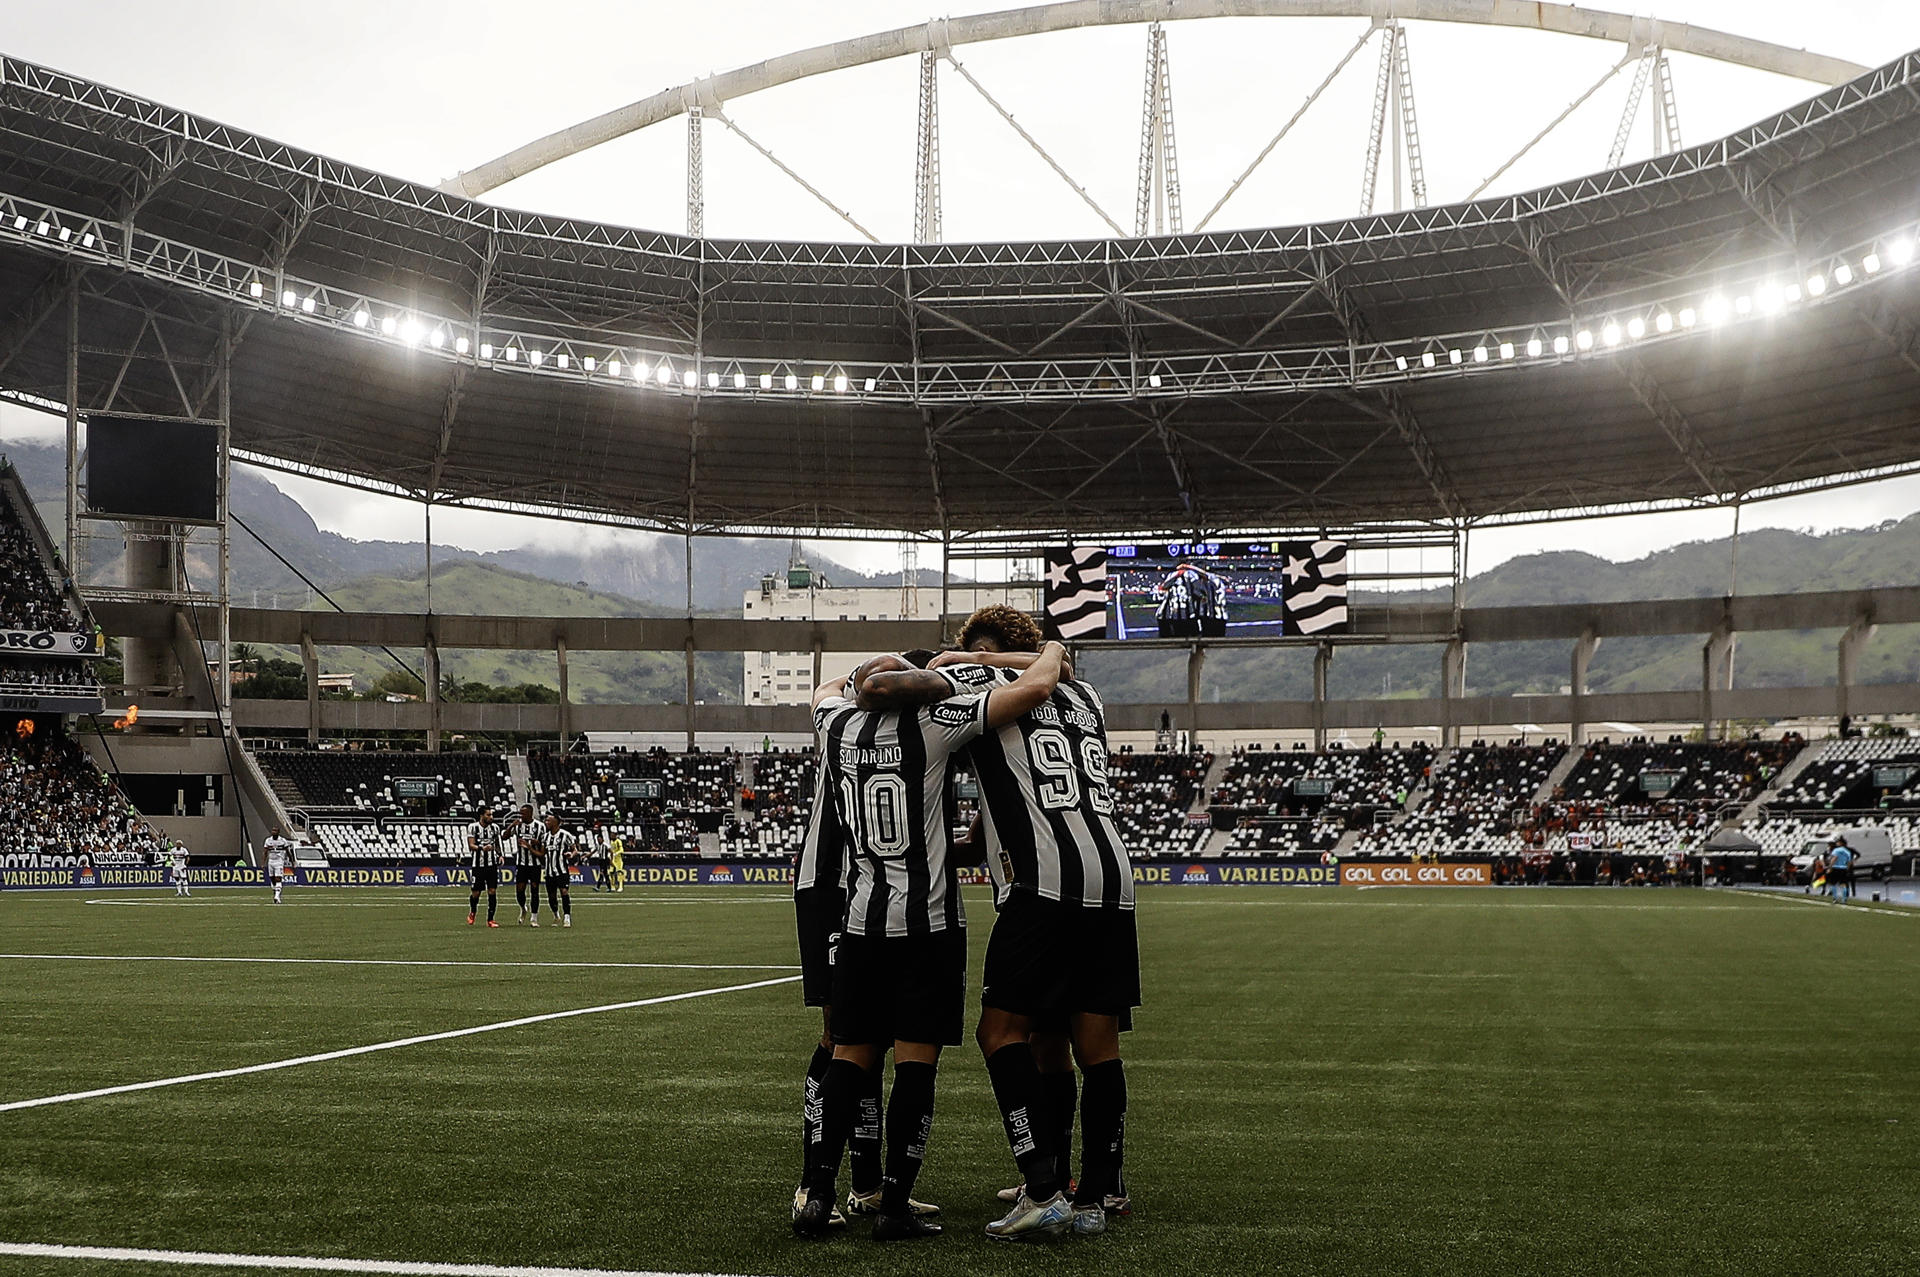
(1769, 299)
(413, 332)
(1717, 309)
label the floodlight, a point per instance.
(66, 233)
(1153, 378)
(486, 350)
(613, 367)
(1506, 350)
(713, 381)
(1817, 284)
(1400, 362)
(1426, 359)
(361, 318)
(739, 381)
(1610, 334)
(588, 363)
(287, 299)
(86, 241)
(690, 379)
(20, 224)
(562, 361)
(639, 372)
(840, 383)
(1453, 356)
(461, 345)
(535, 356)
(1843, 274)
(1663, 321)
(1584, 339)
(306, 305)
(43, 227)
(1479, 354)
(437, 339)
(663, 374)
(870, 385)
(1533, 348)
(1637, 328)
(819, 382)
(1901, 250)
(766, 381)
(1716, 309)
(1560, 344)
(793, 382)
(513, 354)
(387, 326)
(1871, 263)
(1687, 317)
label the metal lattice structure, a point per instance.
(1722, 322)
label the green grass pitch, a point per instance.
(1323, 1081)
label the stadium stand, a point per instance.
(355, 781)
(55, 802)
(47, 673)
(780, 801)
(1473, 803)
(1609, 776)
(29, 597)
(1842, 777)
(1261, 793)
(1152, 796)
(697, 794)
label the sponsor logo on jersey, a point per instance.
(977, 674)
(958, 715)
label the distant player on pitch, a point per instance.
(560, 854)
(177, 870)
(526, 835)
(279, 856)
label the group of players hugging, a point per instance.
(883, 930)
(542, 852)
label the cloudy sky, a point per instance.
(428, 89)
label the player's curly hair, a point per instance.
(1009, 627)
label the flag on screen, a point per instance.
(1076, 593)
(1315, 593)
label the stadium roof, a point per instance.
(1727, 321)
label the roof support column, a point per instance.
(432, 680)
(1453, 689)
(1857, 636)
(1196, 661)
(1715, 655)
(1322, 658)
(310, 667)
(566, 705)
(1583, 649)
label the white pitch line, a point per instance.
(448, 903)
(394, 1045)
(308, 1263)
(401, 962)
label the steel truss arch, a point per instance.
(943, 34)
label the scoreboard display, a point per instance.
(639, 791)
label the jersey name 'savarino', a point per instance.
(823, 855)
(556, 847)
(1046, 801)
(483, 846)
(888, 777)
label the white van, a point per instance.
(1872, 847)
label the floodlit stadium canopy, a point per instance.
(1732, 320)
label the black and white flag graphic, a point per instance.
(1076, 593)
(1314, 595)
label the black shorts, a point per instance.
(818, 913)
(900, 989)
(562, 881)
(1049, 960)
(523, 874)
(487, 877)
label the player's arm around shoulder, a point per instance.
(1030, 690)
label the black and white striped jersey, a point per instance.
(521, 840)
(1046, 802)
(823, 855)
(887, 774)
(556, 846)
(483, 845)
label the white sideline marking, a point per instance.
(397, 1043)
(446, 902)
(408, 1268)
(402, 962)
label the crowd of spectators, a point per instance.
(1152, 796)
(55, 802)
(48, 673)
(29, 599)
(1473, 802)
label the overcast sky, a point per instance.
(427, 89)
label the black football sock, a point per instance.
(839, 1106)
(1103, 1132)
(863, 1149)
(1062, 1098)
(566, 903)
(493, 902)
(810, 1128)
(910, 1121)
(1022, 1100)
(473, 902)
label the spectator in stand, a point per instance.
(55, 802)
